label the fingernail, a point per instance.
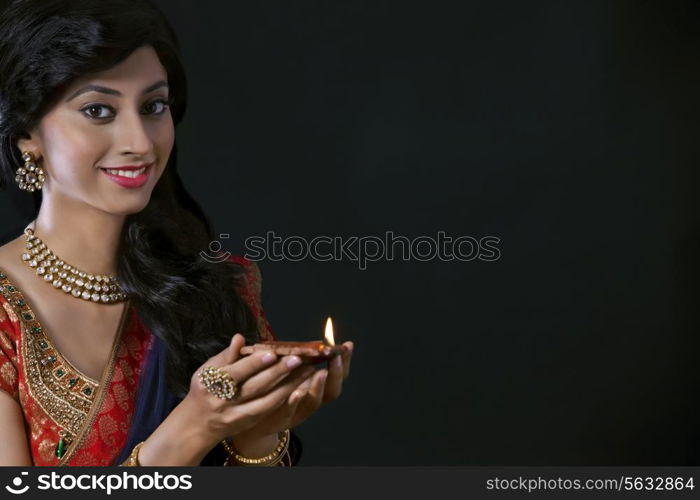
(337, 361)
(293, 362)
(295, 397)
(323, 376)
(268, 357)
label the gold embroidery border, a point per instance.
(103, 387)
(64, 408)
(68, 408)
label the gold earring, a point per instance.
(30, 177)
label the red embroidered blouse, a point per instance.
(58, 400)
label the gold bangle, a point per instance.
(133, 460)
(269, 460)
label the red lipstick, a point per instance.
(129, 182)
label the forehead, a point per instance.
(140, 69)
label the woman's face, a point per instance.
(108, 120)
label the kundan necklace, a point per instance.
(81, 285)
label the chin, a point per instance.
(132, 207)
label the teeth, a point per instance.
(126, 173)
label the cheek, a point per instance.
(71, 151)
(165, 137)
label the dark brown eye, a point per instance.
(96, 111)
(156, 107)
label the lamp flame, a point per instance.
(329, 332)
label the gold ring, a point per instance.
(218, 382)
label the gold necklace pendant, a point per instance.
(69, 279)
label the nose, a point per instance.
(133, 136)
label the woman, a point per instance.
(116, 341)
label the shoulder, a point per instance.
(12, 281)
(252, 294)
(9, 320)
(239, 259)
(8, 251)
(246, 263)
(9, 256)
(10, 338)
(252, 272)
(10, 328)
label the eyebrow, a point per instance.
(106, 90)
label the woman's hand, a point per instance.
(264, 385)
(308, 396)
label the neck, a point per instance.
(82, 236)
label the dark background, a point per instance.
(568, 130)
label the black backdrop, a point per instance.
(568, 130)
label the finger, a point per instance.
(347, 357)
(273, 409)
(275, 397)
(317, 387)
(261, 382)
(300, 392)
(334, 384)
(285, 412)
(245, 367)
(313, 399)
(230, 354)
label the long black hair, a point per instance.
(189, 302)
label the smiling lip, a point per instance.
(129, 182)
(128, 167)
